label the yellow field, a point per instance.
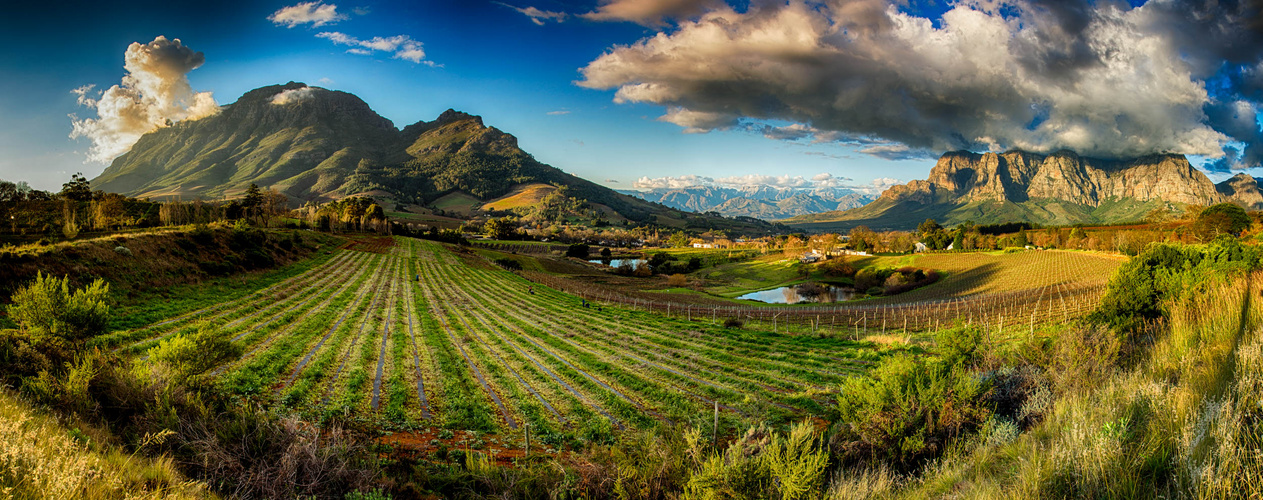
(523, 195)
(989, 273)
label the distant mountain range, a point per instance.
(314, 144)
(762, 202)
(1060, 188)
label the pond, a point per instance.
(802, 293)
(634, 263)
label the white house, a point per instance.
(920, 247)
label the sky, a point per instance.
(657, 93)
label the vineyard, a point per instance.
(994, 291)
(404, 333)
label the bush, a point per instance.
(187, 356)
(1138, 290)
(578, 250)
(907, 410)
(122, 250)
(202, 235)
(47, 308)
(734, 323)
(509, 264)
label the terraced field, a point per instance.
(404, 334)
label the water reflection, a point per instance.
(634, 263)
(802, 293)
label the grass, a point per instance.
(41, 458)
(1184, 422)
(523, 195)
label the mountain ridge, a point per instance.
(1057, 188)
(315, 145)
(762, 202)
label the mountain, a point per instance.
(315, 144)
(1060, 188)
(761, 202)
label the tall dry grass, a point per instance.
(40, 458)
(1183, 423)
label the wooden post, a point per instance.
(715, 430)
(526, 429)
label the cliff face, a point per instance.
(1060, 188)
(1018, 176)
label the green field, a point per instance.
(469, 347)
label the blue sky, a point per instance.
(615, 121)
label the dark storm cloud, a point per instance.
(1100, 78)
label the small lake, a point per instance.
(634, 263)
(802, 294)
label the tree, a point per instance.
(47, 308)
(678, 239)
(579, 250)
(1224, 218)
(253, 200)
(930, 226)
(502, 228)
(78, 189)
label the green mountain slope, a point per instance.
(315, 144)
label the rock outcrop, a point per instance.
(1058, 188)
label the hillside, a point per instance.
(1061, 188)
(314, 144)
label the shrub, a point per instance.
(122, 250)
(677, 280)
(47, 308)
(734, 323)
(906, 411)
(578, 250)
(187, 356)
(1139, 288)
(509, 264)
(202, 235)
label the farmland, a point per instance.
(404, 333)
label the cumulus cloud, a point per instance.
(294, 95)
(401, 46)
(756, 180)
(154, 93)
(1099, 78)
(537, 16)
(314, 13)
(680, 182)
(652, 13)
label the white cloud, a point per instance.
(537, 16)
(314, 13)
(754, 180)
(652, 13)
(683, 181)
(400, 46)
(294, 95)
(559, 112)
(154, 93)
(1102, 79)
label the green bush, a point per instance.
(190, 355)
(48, 308)
(908, 409)
(1138, 290)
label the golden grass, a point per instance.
(40, 458)
(1184, 423)
(522, 195)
